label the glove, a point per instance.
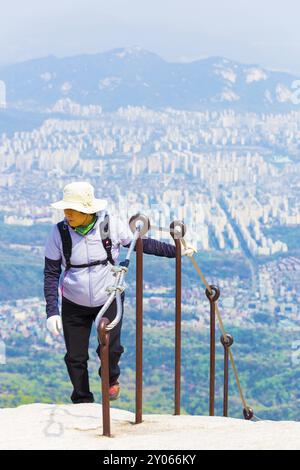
(187, 250)
(54, 324)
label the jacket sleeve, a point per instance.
(157, 248)
(52, 273)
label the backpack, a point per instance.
(67, 244)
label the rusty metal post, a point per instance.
(141, 223)
(212, 299)
(104, 357)
(226, 342)
(177, 231)
(139, 332)
(178, 328)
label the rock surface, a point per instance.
(48, 426)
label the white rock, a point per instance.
(48, 426)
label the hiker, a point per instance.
(77, 243)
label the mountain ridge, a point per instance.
(133, 76)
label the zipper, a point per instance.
(62, 283)
(88, 260)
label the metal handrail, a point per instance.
(139, 225)
(212, 299)
(226, 342)
(104, 327)
(119, 285)
(177, 232)
(247, 410)
(104, 337)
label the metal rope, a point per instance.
(119, 285)
(221, 327)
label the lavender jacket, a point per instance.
(86, 286)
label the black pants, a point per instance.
(77, 323)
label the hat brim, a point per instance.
(98, 205)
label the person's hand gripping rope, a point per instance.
(187, 249)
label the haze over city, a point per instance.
(264, 33)
(105, 92)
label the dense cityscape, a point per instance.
(232, 178)
(185, 113)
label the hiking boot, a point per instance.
(83, 400)
(114, 391)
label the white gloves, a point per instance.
(188, 250)
(54, 324)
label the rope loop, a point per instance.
(248, 413)
(213, 297)
(227, 341)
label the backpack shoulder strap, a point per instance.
(105, 237)
(66, 242)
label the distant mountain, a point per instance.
(134, 76)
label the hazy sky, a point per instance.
(252, 31)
